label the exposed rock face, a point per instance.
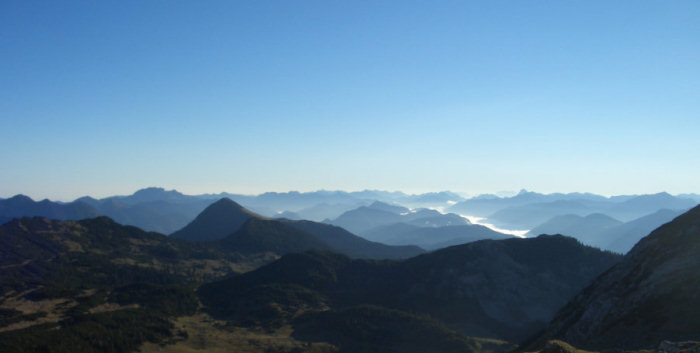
(651, 296)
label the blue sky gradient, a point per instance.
(104, 98)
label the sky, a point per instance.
(106, 97)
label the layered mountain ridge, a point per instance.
(238, 229)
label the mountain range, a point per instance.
(528, 209)
(398, 225)
(152, 209)
(167, 211)
(237, 228)
(603, 231)
(273, 286)
(365, 218)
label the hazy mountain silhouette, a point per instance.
(531, 215)
(166, 211)
(153, 209)
(366, 218)
(485, 206)
(605, 232)
(320, 205)
(324, 211)
(590, 230)
(378, 205)
(431, 238)
(646, 204)
(528, 210)
(652, 295)
(152, 194)
(217, 221)
(431, 218)
(695, 197)
(624, 237)
(23, 206)
(441, 197)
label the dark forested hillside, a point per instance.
(340, 240)
(503, 289)
(97, 286)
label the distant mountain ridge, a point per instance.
(165, 211)
(589, 229)
(431, 238)
(152, 209)
(239, 229)
(603, 231)
(366, 218)
(22, 206)
(528, 210)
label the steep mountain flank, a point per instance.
(652, 295)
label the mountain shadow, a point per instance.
(353, 246)
(368, 328)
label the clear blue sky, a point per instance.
(105, 97)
